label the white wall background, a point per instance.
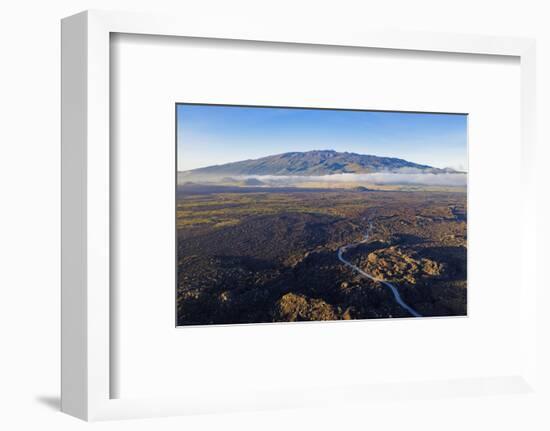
(29, 210)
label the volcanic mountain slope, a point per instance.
(318, 162)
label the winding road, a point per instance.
(390, 286)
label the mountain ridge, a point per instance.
(313, 163)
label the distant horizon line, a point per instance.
(456, 171)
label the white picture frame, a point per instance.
(86, 310)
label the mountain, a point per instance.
(253, 182)
(318, 162)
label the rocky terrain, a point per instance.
(247, 256)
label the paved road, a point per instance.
(390, 286)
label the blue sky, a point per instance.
(210, 135)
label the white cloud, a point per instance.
(404, 177)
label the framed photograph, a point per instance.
(281, 217)
(269, 218)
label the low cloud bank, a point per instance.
(380, 178)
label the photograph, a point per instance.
(293, 214)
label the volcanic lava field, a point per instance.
(260, 254)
